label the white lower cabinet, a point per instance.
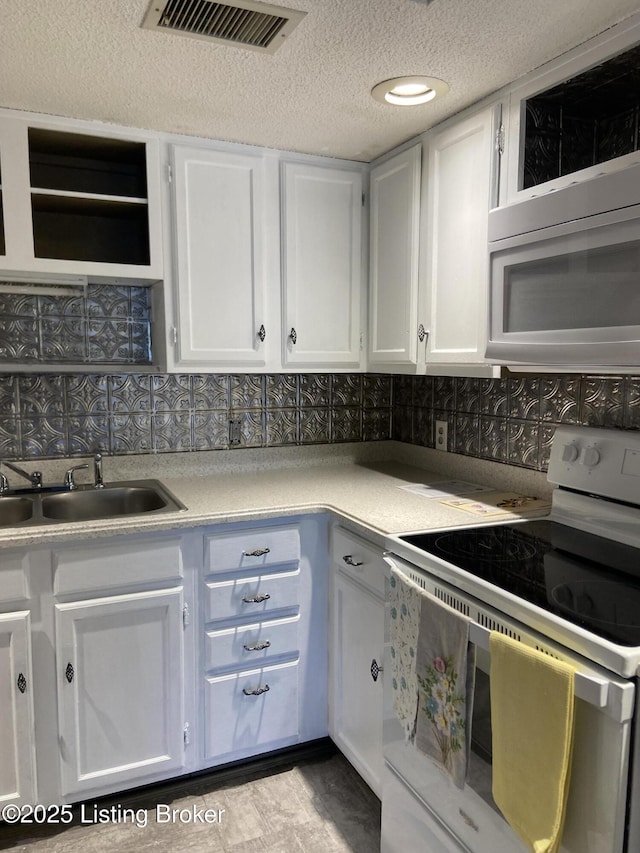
(17, 748)
(120, 695)
(357, 654)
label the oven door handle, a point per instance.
(589, 688)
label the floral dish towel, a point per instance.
(405, 601)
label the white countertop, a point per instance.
(360, 483)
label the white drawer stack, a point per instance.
(251, 640)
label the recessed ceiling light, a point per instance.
(409, 91)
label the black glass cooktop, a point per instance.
(591, 581)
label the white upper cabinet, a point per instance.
(219, 272)
(393, 273)
(77, 202)
(460, 182)
(322, 265)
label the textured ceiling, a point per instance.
(90, 59)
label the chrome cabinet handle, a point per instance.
(375, 669)
(262, 333)
(69, 672)
(256, 691)
(351, 562)
(422, 333)
(257, 647)
(259, 552)
(21, 682)
(256, 599)
(293, 336)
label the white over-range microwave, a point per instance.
(564, 286)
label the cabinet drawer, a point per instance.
(127, 562)
(359, 560)
(237, 722)
(251, 597)
(249, 645)
(252, 548)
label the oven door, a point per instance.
(420, 800)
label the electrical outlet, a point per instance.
(235, 431)
(442, 435)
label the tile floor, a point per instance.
(314, 805)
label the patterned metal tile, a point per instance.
(62, 306)
(8, 395)
(140, 303)
(171, 392)
(171, 431)
(281, 390)
(547, 432)
(210, 430)
(524, 398)
(632, 408)
(63, 339)
(112, 301)
(402, 390)
(41, 395)
(109, 341)
(86, 394)
(423, 391)
(314, 389)
(376, 424)
(422, 427)
(88, 434)
(130, 393)
(401, 423)
(494, 397)
(10, 444)
(18, 339)
(444, 393)
(315, 426)
(523, 443)
(251, 429)
(140, 343)
(559, 398)
(18, 305)
(602, 401)
(346, 423)
(346, 389)
(209, 391)
(493, 438)
(246, 391)
(281, 427)
(131, 433)
(44, 436)
(468, 395)
(376, 390)
(466, 434)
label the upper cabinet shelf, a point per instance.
(79, 203)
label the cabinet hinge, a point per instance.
(186, 734)
(186, 615)
(500, 139)
(173, 335)
(361, 341)
(169, 173)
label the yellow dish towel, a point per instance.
(532, 725)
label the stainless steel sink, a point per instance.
(86, 503)
(14, 510)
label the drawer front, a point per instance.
(248, 645)
(358, 560)
(14, 576)
(237, 722)
(251, 597)
(119, 564)
(252, 549)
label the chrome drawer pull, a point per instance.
(257, 647)
(375, 669)
(351, 562)
(259, 552)
(256, 599)
(257, 691)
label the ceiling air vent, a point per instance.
(257, 26)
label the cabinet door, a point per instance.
(459, 182)
(120, 689)
(395, 218)
(218, 207)
(17, 736)
(322, 272)
(357, 700)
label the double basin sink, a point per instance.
(57, 504)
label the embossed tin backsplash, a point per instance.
(109, 325)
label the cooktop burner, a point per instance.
(588, 580)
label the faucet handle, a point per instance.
(68, 477)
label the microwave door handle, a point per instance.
(589, 688)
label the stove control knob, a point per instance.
(570, 453)
(590, 457)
